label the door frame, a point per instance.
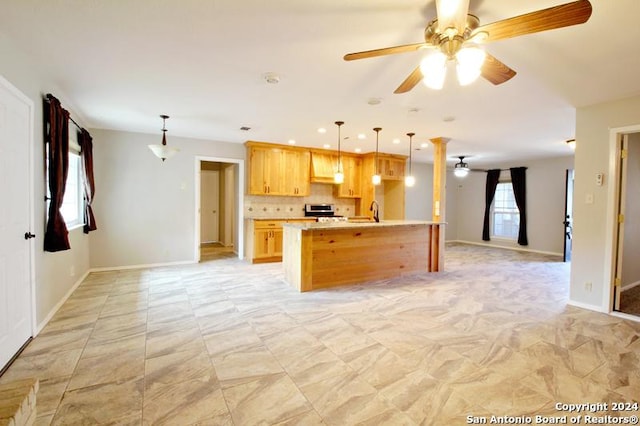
(217, 225)
(240, 202)
(568, 208)
(613, 190)
(31, 199)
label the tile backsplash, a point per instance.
(267, 206)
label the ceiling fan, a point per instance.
(455, 35)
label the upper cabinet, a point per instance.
(277, 171)
(352, 185)
(390, 167)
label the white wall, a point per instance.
(145, 208)
(53, 278)
(591, 248)
(631, 241)
(545, 204)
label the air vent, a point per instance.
(245, 128)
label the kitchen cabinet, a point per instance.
(391, 168)
(265, 241)
(352, 185)
(278, 171)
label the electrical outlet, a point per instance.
(588, 287)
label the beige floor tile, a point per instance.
(267, 400)
(250, 364)
(162, 342)
(107, 368)
(178, 367)
(45, 366)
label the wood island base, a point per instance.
(326, 255)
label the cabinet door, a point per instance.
(276, 242)
(352, 186)
(296, 173)
(391, 168)
(261, 243)
(257, 171)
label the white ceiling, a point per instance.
(123, 63)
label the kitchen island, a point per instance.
(320, 255)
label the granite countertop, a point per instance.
(347, 225)
(281, 218)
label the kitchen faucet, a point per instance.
(375, 212)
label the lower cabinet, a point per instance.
(265, 239)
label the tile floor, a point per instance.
(228, 343)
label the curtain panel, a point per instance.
(493, 176)
(86, 152)
(56, 129)
(519, 182)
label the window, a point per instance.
(73, 203)
(505, 215)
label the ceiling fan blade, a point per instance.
(495, 71)
(384, 51)
(410, 82)
(452, 13)
(565, 15)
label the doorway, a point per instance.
(219, 207)
(626, 294)
(568, 215)
(17, 306)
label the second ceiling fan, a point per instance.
(455, 35)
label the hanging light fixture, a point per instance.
(409, 180)
(338, 177)
(163, 151)
(376, 178)
(461, 169)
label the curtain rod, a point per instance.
(48, 99)
(506, 170)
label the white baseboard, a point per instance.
(506, 247)
(141, 266)
(630, 286)
(58, 305)
(587, 306)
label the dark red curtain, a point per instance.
(493, 176)
(86, 152)
(56, 122)
(519, 182)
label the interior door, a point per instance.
(15, 220)
(209, 206)
(568, 215)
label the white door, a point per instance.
(15, 219)
(209, 206)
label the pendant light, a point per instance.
(162, 151)
(461, 169)
(376, 178)
(338, 177)
(409, 180)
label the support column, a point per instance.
(439, 202)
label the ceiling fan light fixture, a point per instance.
(461, 169)
(469, 62)
(434, 70)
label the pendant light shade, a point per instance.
(461, 169)
(376, 179)
(409, 180)
(338, 177)
(163, 151)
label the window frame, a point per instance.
(511, 210)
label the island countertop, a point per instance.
(358, 224)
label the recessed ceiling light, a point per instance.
(292, 142)
(424, 145)
(327, 146)
(362, 136)
(357, 150)
(374, 101)
(396, 141)
(322, 130)
(448, 119)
